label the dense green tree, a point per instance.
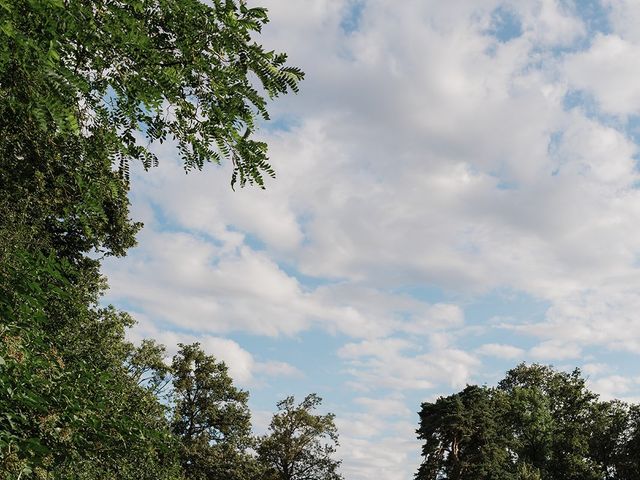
(611, 441)
(85, 89)
(68, 406)
(210, 418)
(621, 448)
(88, 87)
(551, 414)
(300, 444)
(464, 437)
(537, 423)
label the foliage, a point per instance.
(300, 444)
(109, 72)
(211, 418)
(536, 424)
(464, 437)
(86, 88)
(69, 408)
(550, 413)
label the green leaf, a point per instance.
(8, 29)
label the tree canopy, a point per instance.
(537, 423)
(86, 88)
(120, 74)
(210, 418)
(300, 444)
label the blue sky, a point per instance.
(456, 193)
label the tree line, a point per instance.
(87, 88)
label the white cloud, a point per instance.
(624, 16)
(380, 437)
(281, 369)
(606, 317)
(554, 350)
(392, 458)
(390, 406)
(473, 198)
(186, 280)
(189, 282)
(612, 386)
(501, 351)
(399, 364)
(594, 368)
(608, 70)
(373, 313)
(549, 23)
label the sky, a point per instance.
(456, 192)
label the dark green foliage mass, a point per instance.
(537, 424)
(465, 437)
(210, 418)
(68, 407)
(86, 88)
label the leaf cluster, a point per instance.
(68, 407)
(125, 74)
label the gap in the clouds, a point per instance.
(488, 318)
(555, 141)
(505, 25)
(553, 148)
(585, 102)
(426, 293)
(280, 123)
(249, 239)
(593, 13)
(632, 130)
(501, 176)
(507, 304)
(305, 222)
(350, 22)
(307, 282)
(313, 352)
(588, 106)
(503, 184)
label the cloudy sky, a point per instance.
(457, 192)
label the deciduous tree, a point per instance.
(537, 423)
(300, 445)
(211, 419)
(120, 74)
(86, 88)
